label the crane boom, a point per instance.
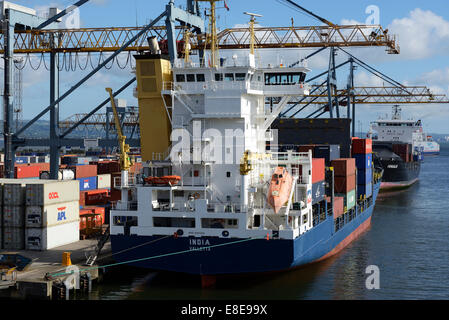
(125, 161)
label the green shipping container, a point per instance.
(349, 199)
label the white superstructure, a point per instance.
(220, 124)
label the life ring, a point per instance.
(196, 195)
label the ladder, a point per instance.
(101, 242)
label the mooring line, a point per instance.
(154, 257)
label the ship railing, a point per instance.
(192, 87)
(130, 206)
(131, 181)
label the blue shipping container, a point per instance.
(364, 176)
(363, 161)
(318, 192)
(87, 184)
(22, 159)
(364, 190)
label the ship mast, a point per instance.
(213, 33)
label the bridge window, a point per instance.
(219, 77)
(284, 78)
(166, 222)
(229, 77)
(240, 76)
(200, 77)
(190, 78)
(180, 78)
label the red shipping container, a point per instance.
(84, 171)
(362, 146)
(23, 172)
(98, 211)
(344, 184)
(82, 200)
(318, 167)
(343, 167)
(94, 197)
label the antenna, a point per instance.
(252, 22)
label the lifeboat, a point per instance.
(280, 188)
(163, 181)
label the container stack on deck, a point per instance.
(345, 181)
(362, 152)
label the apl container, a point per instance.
(13, 238)
(87, 183)
(13, 216)
(51, 192)
(48, 238)
(51, 215)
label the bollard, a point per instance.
(66, 259)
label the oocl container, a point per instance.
(51, 192)
(51, 237)
(51, 215)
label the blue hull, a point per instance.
(231, 256)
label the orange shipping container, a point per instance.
(362, 146)
(318, 167)
(26, 172)
(84, 171)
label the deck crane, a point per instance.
(125, 160)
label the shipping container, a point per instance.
(69, 159)
(51, 192)
(105, 167)
(13, 238)
(365, 190)
(14, 193)
(84, 171)
(318, 170)
(364, 176)
(22, 172)
(364, 161)
(104, 181)
(362, 146)
(86, 184)
(318, 192)
(13, 216)
(338, 208)
(328, 152)
(51, 215)
(343, 167)
(349, 199)
(344, 184)
(48, 238)
(63, 174)
(94, 197)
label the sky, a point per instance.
(421, 27)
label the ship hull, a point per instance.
(215, 256)
(399, 174)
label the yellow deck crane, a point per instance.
(125, 160)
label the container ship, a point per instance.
(212, 199)
(397, 145)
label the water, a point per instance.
(408, 241)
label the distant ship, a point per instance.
(397, 146)
(429, 146)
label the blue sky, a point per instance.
(422, 28)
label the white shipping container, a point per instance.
(51, 192)
(51, 237)
(14, 216)
(51, 215)
(104, 181)
(14, 238)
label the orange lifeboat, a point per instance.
(280, 188)
(163, 181)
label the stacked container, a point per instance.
(86, 175)
(345, 180)
(318, 180)
(51, 214)
(362, 152)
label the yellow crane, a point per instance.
(125, 160)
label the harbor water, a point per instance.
(408, 241)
